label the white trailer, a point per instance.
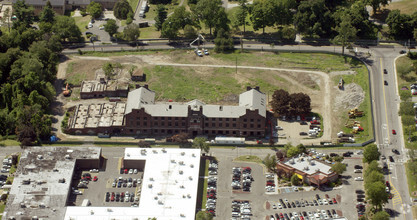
(229, 140)
(86, 202)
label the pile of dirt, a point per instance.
(350, 97)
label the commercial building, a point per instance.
(169, 188)
(42, 181)
(312, 172)
(142, 116)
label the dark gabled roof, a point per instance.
(43, 2)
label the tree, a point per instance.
(24, 15)
(190, 32)
(300, 103)
(261, 14)
(66, 29)
(372, 177)
(314, 19)
(295, 180)
(280, 154)
(270, 162)
(288, 33)
(400, 25)
(202, 215)
(223, 42)
(301, 148)
(131, 32)
(280, 102)
(339, 168)
(241, 13)
(161, 16)
(121, 9)
(144, 144)
(94, 9)
(345, 32)
(376, 194)
(169, 29)
(182, 139)
(111, 27)
(376, 4)
(208, 11)
(372, 166)
(108, 70)
(201, 143)
(47, 14)
(292, 151)
(381, 215)
(371, 153)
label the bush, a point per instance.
(412, 55)
(405, 95)
(129, 21)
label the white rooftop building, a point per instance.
(169, 187)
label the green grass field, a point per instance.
(405, 6)
(133, 4)
(247, 158)
(82, 22)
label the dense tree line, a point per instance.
(28, 62)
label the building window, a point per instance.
(251, 125)
(259, 125)
(169, 118)
(155, 131)
(131, 130)
(205, 132)
(244, 133)
(258, 133)
(227, 119)
(162, 123)
(145, 123)
(169, 124)
(259, 120)
(206, 124)
(220, 119)
(137, 123)
(245, 120)
(213, 125)
(227, 125)
(162, 118)
(176, 123)
(234, 125)
(155, 123)
(220, 125)
(234, 119)
(251, 133)
(227, 132)
(244, 125)
(145, 118)
(251, 120)
(234, 132)
(162, 130)
(183, 123)
(145, 131)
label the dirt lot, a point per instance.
(189, 80)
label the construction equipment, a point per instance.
(67, 91)
(341, 83)
(351, 123)
(353, 113)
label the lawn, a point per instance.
(133, 4)
(308, 61)
(412, 184)
(82, 22)
(405, 6)
(9, 142)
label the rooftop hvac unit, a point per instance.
(22, 205)
(182, 153)
(183, 196)
(182, 187)
(292, 161)
(193, 155)
(35, 218)
(182, 215)
(67, 156)
(317, 170)
(190, 177)
(128, 155)
(40, 157)
(189, 196)
(156, 197)
(91, 212)
(109, 210)
(192, 165)
(172, 161)
(149, 185)
(181, 162)
(159, 193)
(180, 172)
(163, 150)
(154, 151)
(143, 151)
(312, 163)
(160, 202)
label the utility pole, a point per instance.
(236, 64)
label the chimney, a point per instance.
(138, 86)
(170, 107)
(146, 86)
(248, 88)
(257, 88)
(221, 108)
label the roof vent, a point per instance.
(128, 155)
(193, 155)
(156, 197)
(149, 185)
(67, 156)
(221, 108)
(159, 193)
(181, 172)
(182, 215)
(151, 179)
(172, 161)
(91, 212)
(190, 177)
(182, 153)
(40, 157)
(160, 202)
(189, 196)
(181, 162)
(312, 163)
(170, 106)
(163, 150)
(154, 151)
(192, 165)
(22, 205)
(182, 186)
(143, 151)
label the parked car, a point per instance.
(391, 159)
(395, 151)
(358, 178)
(206, 52)
(385, 71)
(198, 52)
(394, 132)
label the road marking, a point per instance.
(385, 101)
(398, 200)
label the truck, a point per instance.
(86, 202)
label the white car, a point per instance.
(135, 171)
(325, 202)
(279, 206)
(359, 178)
(274, 206)
(130, 171)
(279, 128)
(286, 200)
(90, 25)
(101, 28)
(206, 52)
(199, 53)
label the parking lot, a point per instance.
(262, 202)
(111, 180)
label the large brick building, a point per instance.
(144, 117)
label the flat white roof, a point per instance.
(169, 187)
(308, 165)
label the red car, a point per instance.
(95, 179)
(334, 201)
(315, 122)
(387, 184)
(112, 198)
(126, 171)
(394, 132)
